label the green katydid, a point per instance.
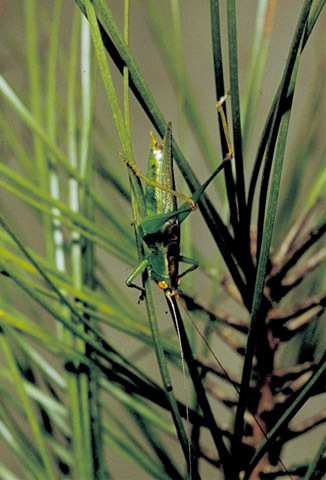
(160, 229)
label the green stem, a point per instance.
(235, 105)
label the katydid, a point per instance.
(160, 229)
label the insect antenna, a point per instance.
(174, 315)
(227, 376)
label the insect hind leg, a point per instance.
(133, 167)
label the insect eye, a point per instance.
(162, 284)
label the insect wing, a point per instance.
(169, 201)
(160, 170)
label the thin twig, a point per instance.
(300, 322)
(313, 262)
(283, 252)
(287, 323)
(296, 310)
(296, 253)
(281, 376)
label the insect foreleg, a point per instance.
(138, 271)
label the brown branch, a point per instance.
(294, 326)
(285, 323)
(297, 309)
(297, 276)
(297, 473)
(296, 253)
(298, 323)
(305, 426)
(277, 288)
(281, 376)
(297, 383)
(282, 254)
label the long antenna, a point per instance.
(168, 295)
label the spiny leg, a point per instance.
(167, 189)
